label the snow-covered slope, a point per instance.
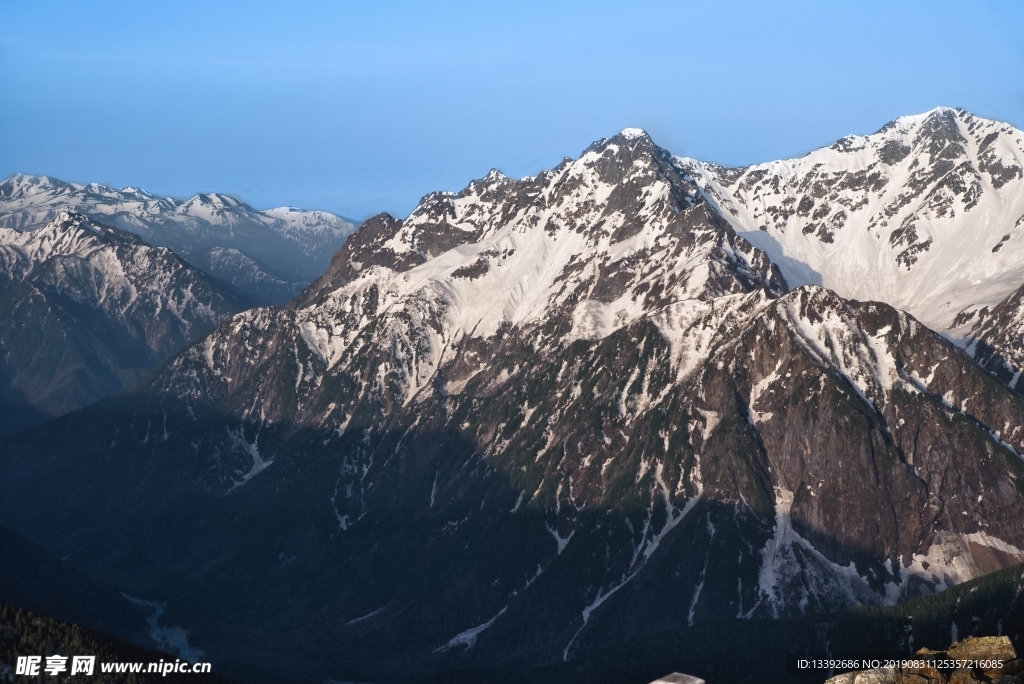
(319, 232)
(268, 254)
(87, 309)
(927, 214)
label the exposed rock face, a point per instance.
(86, 310)
(269, 255)
(995, 338)
(988, 659)
(924, 215)
(530, 418)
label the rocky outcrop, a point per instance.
(975, 659)
(994, 337)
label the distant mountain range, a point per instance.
(88, 310)
(268, 255)
(630, 395)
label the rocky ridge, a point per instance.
(994, 338)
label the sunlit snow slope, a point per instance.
(927, 214)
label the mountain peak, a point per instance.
(69, 217)
(493, 178)
(934, 119)
(631, 138)
(940, 113)
(22, 185)
(927, 196)
(212, 199)
(70, 222)
(628, 147)
(585, 248)
(631, 133)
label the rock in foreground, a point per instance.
(988, 659)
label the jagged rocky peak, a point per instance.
(68, 233)
(918, 214)
(577, 251)
(366, 248)
(943, 133)
(940, 136)
(611, 175)
(615, 155)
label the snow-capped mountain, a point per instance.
(926, 215)
(269, 255)
(577, 252)
(535, 417)
(86, 310)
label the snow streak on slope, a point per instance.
(923, 215)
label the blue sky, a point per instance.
(365, 107)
